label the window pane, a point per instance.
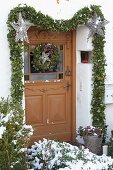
(60, 65)
(61, 76)
(26, 63)
(42, 77)
(43, 62)
(26, 77)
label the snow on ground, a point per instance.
(64, 156)
(93, 162)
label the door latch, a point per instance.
(67, 86)
(47, 121)
(68, 71)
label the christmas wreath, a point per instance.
(46, 57)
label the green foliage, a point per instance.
(98, 93)
(46, 22)
(14, 137)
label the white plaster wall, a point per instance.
(83, 117)
(84, 74)
(64, 10)
(83, 44)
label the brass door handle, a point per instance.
(47, 121)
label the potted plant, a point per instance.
(92, 137)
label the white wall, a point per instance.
(64, 10)
(83, 116)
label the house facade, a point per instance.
(60, 101)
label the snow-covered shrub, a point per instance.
(48, 154)
(14, 135)
(51, 155)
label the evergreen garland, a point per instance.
(46, 22)
(98, 74)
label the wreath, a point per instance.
(46, 57)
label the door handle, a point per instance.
(47, 121)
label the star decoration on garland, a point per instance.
(21, 28)
(96, 25)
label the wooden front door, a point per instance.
(49, 92)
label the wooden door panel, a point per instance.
(48, 103)
(47, 110)
(34, 110)
(56, 108)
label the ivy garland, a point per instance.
(46, 22)
(98, 74)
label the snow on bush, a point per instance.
(2, 130)
(52, 155)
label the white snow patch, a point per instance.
(2, 130)
(57, 154)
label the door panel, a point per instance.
(48, 96)
(56, 107)
(34, 110)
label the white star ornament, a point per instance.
(96, 26)
(21, 28)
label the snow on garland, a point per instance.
(45, 57)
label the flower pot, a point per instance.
(93, 143)
(105, 149)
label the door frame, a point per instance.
(73, 85)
